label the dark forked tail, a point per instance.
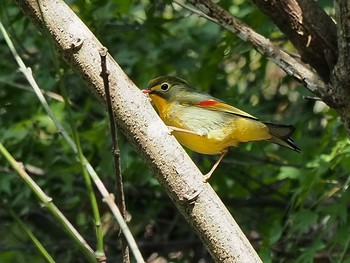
(281, 135)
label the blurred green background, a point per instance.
(293, 207)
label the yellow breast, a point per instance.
(203, 144)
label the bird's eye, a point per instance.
(165, 86)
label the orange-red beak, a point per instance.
(146, 91)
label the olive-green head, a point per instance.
(166, 87)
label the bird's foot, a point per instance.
(208, 175)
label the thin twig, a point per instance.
(312, 98)
(116, 152)
(49, 94)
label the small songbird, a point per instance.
(208, 125)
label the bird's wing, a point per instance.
(213, 104)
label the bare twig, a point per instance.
(312, 98)
(116, 152)
(50, 94)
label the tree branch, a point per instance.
(182, 180)
(309, 28)
(291, 66)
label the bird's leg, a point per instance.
(207, 176)
(172, 128)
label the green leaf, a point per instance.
(289, 172)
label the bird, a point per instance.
(207, 125)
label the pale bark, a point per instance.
(182, 180)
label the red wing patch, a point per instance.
(207, 103)
(220, 106)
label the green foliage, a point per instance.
(293, 207)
